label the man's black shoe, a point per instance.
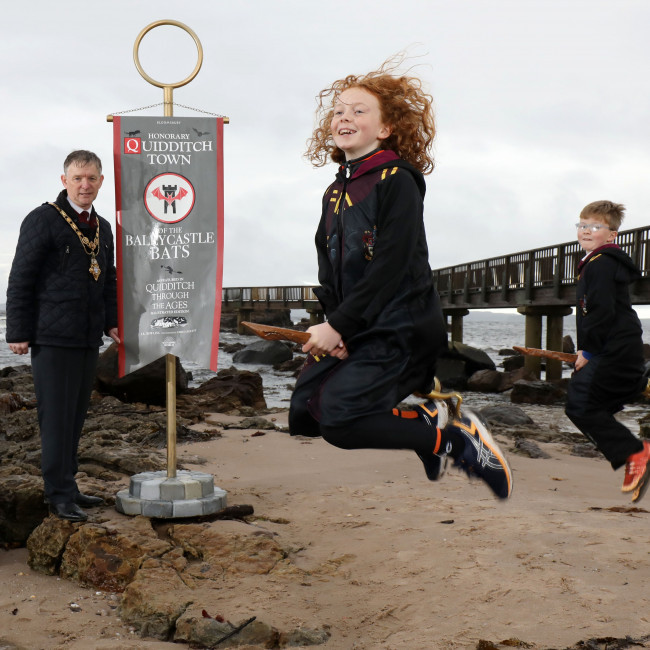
(87, 500)
(69, 511)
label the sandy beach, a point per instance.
(395, 561)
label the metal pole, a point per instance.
(170, 366)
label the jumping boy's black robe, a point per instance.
(377, 291)
(610, 336)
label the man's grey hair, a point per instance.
(81, 158)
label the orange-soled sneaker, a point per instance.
(637, 471)
(481, 455)
(640, 491)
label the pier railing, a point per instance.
(270, 297)
(542, 277)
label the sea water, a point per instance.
(491, 332)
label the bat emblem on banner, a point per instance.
(169, 197)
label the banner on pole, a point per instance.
(169, 238)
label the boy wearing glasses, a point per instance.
(609, 370)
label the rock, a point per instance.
(10, 402)
(586, 450)
(511, 377)
(107, 557)
(493, 381)
(505, 414)
(530, 449)
(568, 345)
(537, 392)
(474, 358)
(197, 630)
(291, 365)
(304, 637)
(21, 426)
(514, 362)
(485, 381)
(459, 362)
(253, 423)
(226, 547)
(155, 600)
(264, 352)
(47, 543)
(231, 348)
(644, 427)
(19, 380)
(21, 506)
(147, 384)
(228, 391)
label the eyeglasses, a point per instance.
(594, 227)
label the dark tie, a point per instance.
(84, 217)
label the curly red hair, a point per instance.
(405, 107)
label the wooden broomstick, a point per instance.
(549, 354)
(272, 333)
(564, 356)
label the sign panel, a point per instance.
(169, 239)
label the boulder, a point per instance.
(227, 548)
(21, 505)
(505, 414)
(19, 380)
(47, 544)
(513, 363)
(154, 600)
(107, 556)
(644, 427)
(511, 377)
(474, 358)
(147, 384)
(200, 630)
(292, 365)
(485, 381)
(568, 345)
(230, 390)
(264, 352)
(530, 449)
(492, 381)
(537, 392)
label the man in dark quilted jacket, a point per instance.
(61, 300)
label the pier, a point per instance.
(539, 284)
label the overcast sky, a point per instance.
(542, 106)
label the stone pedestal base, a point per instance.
(153, 494)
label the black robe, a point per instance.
(376, 289)
(608, 327)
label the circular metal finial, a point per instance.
(160, 84)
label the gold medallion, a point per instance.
(94, 268)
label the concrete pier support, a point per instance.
(243, 315)
(316, 316)
(554, 335)
(455, 328)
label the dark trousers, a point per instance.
(63, 381)
(593, 414)
(382, 430)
